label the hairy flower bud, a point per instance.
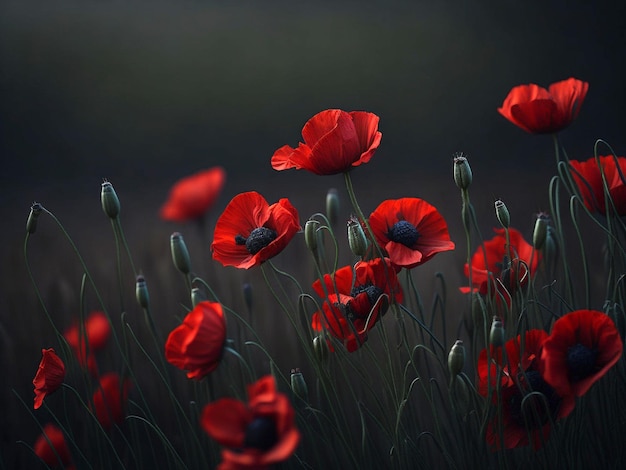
(180, 255)
(496, 335)
(462, 172)
(298, 385)
(31, 222)
(541, 230)
(332, 206)
(456, 358)
(110, 201)
(141, 292)
(310, 234)
(356, 237)
(502, 213)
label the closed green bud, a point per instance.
(31, 222)
(541, 230)
(502, 213)
(462, 172)
(321, 348)
(356, 237)
(298, 385)
(496, 335)
(332, 206)
(180, 255)
(141, 292)
(110, 202)
(310, 234)
(197, 296)
(456, 358)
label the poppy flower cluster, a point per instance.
(197, 344)
(544, 111)
(257, 434)
(96, 335)
(191, 197)
(250, 231)
(588, 177)
(540, 375)
(356, 298)
(334, 142)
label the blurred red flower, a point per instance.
(109, 400)
(54, 452)
(498, 270)
(97, 333)
(197, 344)
(250, 231)
(588, 178)
(334, 142)
(255, 435)
(582, 347)
(191, 197)
(49, 377)
(410, 230)
(362, 295)
(541, 111)
(524, 411)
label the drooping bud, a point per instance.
(356, 237)
(298, 385)
(310, 234)
(31, 222)
(502, 213)
(141, 292)
(456, 358)
(197, 296)
(496, 335)
(541, 230)
(247, 295)
(462, 171)
(321, 348)
(332, 206)
(110, 201)
(180, 254)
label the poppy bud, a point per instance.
(502, 213)
(462, 172)
(321, 348)
(197, 296)
(496, 335)
(180, 255)
(141, 292)
(31, 222)
(456, 358)
(110, 202)
(332, 206)
(247, 295)
(310, 234)
(356, 237)
(298, 385)
(541, 230)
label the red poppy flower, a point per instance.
(410, 230)
(256, 435)
(197, 344)
(520, 376)
(191, 197)
(109, 400)
(582, 347)
(541, 111)
(505, 269)
(588, 178)
(97, 333)
(334, 142)
(362, 295)
(49, 376)
(52, 451)
(250, 231)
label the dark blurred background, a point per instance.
(144, 93)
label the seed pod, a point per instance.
(502, 213)
(356, 237)
(180, 255)
(141, 292)
(321, 348)
(462, 172)
(456, 358)
(541, 230)
(310, 234)
(496, 335)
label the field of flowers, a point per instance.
(337, 352)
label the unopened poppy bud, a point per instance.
(310, 234)
(356, 237)
(110, 202)
(298, 385)
(462, 172)
(180, 255)
(31, 222)
(502, 213)
(321, 348)
(541, 230)
(247, 295)
(332, 206)
(197, 296)
(141, 292)
(456, 358)
(496, 335)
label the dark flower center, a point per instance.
(581, 362)
(258, 239)
(261, 434)
(364, 297)
(530, 410)
(372, 291)
(403, 232)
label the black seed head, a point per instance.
(403, 232)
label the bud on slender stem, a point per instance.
(496, 335)
(31, 222)
(356, 237)
(141, 292)
(462, 172)
(110, 201)
(541, 230)
(180, 255)
(298, 385)
(321, 348)
(197, 296)
(502, 213)
(456, 358)
(310, 234)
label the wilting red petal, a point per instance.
(191, 197)
(197, 344)
(49, 377)
(46, 450)
(109, 400)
